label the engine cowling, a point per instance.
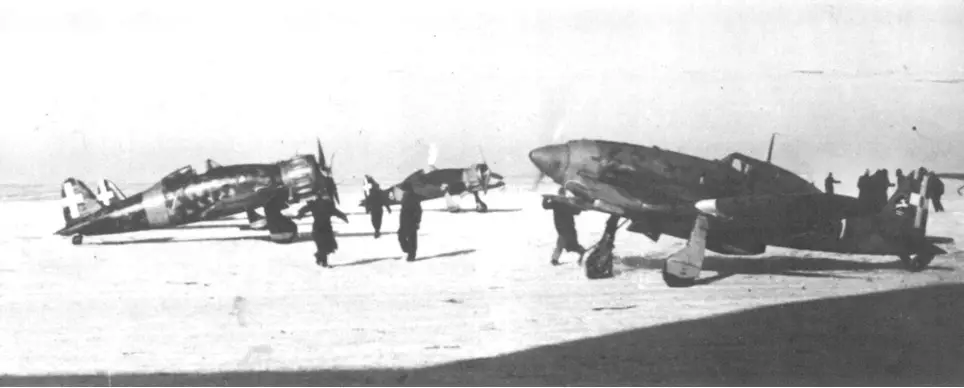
(301, 176)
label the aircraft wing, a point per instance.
(614, 200)
(781, 211)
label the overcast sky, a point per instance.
(133, 90)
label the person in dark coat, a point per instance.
(935, 190)
(374, 201)
(322, 209)
(409, 221)
(863, 189)
(564, 219)
(828, 183)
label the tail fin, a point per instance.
(108, 193)
(78, 200)
(905, 190)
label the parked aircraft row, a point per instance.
(734, 205)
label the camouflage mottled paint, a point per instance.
(184, 197)
(436, 183)
(658, 190)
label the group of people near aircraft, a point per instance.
(873, 188)
(323, 208)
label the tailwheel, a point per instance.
(674, 281)
(77, 239)
(917, 262)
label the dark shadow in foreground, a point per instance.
(903, 337)
(792, 266)
(302, 236)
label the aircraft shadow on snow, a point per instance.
(906, 337)
(396, 257)
(727, 266)
(302, 237)
(395, 211)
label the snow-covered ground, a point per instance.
(214, 299)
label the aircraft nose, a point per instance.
(549, 159)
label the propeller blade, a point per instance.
(432, 154)
(321, 156)
(535, 185)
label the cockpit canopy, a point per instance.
(179, 176)
(776, 179)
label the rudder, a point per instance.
(108, 193)
(78, 201)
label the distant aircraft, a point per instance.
(184, 197)
(736, 205)
(446, 182)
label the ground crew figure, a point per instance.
(322, 209)
(409, 221)
(935, 191)
(863, 189)
(564, 219)
(828, 183)
(374, 201)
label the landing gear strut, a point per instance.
(480, 206)
(77, 239)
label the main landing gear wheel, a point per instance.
(674, 281)
(77, 239)
(599, 263)
(917, 262)
(481, 207)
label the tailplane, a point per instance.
(78, 200)
(108, 193)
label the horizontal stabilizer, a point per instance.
(77, 200)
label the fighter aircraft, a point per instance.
(184, 197)
(432, 183)
(735, 205)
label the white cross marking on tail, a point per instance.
(72, 200)
(103, 194)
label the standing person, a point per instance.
(322, 209)
(409, 221)
(564, 219)
(828, 183)
(935, 191)
(863, 189)
(374, 201)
